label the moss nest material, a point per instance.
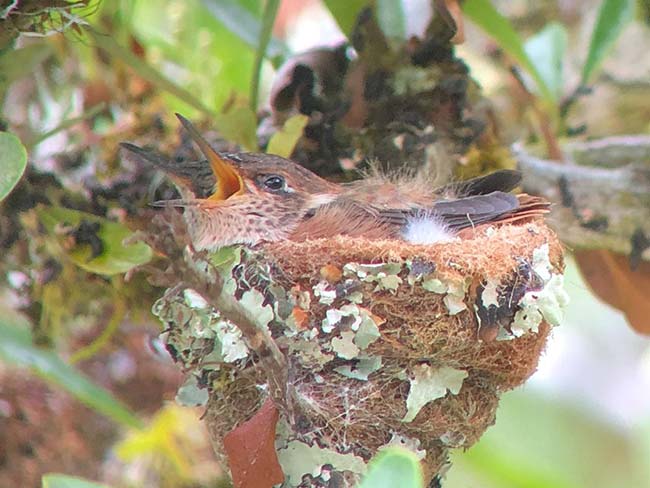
(385, 342)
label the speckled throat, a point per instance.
(244, 220)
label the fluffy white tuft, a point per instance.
(427, 228)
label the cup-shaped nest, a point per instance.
(385, 342)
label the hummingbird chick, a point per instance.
(265, 198)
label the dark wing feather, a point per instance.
(348, 217)
(503, 180)
(457, 214)
(474, 210)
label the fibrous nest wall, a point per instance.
(385, 342)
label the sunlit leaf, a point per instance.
(345, 13)
(195, 50)
(546, 51)
(146, 71)
(161, 439)
(533, 439)
(268, 19)
(394, 466)
(114, 258)
(284, 141)
(17, 349)
(18, 63)
(483, 13)
(391, 18)
(244, 24)
(13, 160)
(238, 124)
(612, 17)
(54, 480)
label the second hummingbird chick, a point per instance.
(265, 198)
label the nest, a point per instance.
(385, 342)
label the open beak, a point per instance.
(229, 181)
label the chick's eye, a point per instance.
(274, 182)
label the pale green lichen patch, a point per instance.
(490, 295)
(357, 327)
(355, 318)
(364, 367)
(418, 270)
(454, 303)
(325, 292)
(298, 459)
(542, 262)
(334, 316)
(429, 383)
(190, 394)
(200, 333)
(454, 290)
(434, 285)
(310, 353)
(547, 304)
(283, 303)
(368, 331)
(385, 275)
(455, 298)
(344, 346)
(544, 304)
(253, 301)
(229, 337)
(225, 260)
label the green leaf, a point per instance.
(539, 442)
(284, 141)
(268, 19)
(612, 17)
(346, 13)
(394, 466)
(243, 23)
(18, 63)
(55, 480)
(13, 161)
(482, 13)
(239, 124)
(17, 349)
(219, 70)
(391, 18)
(144, 70)
(546, 51)
(115, 258)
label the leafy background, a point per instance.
(120, 66)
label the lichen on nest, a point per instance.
(384, 340)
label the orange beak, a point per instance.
(229, 181)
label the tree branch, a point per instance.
(601, 193)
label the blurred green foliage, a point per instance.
(394, 466)
(13, 160)
(115, 257)
(17, 348)
(55, 480)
